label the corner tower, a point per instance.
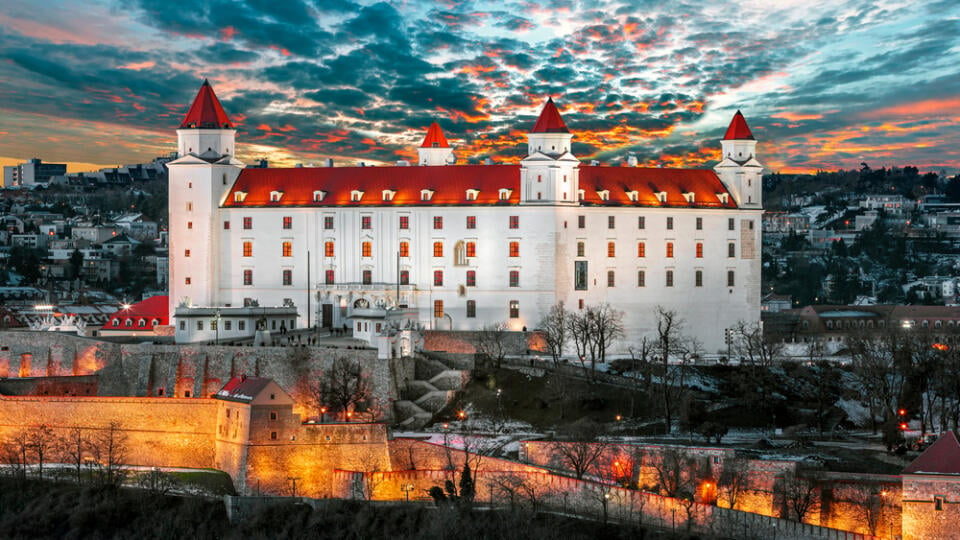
(199, 179)
(435, 149)
(739, 169)
(550, 173)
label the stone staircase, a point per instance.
(434, 386)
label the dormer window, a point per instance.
(505, 194)
(581, 194)
(661, 196)
(426, 194)
(356, 195)
(724, 197)
(319, 195)
(472, 194)
(275, 196)
(604, 194)
(633, 195)
(239, 196)
(689, 197)
(388, 195)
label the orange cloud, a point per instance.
(796, 117)
(929, 107)
(137, 66)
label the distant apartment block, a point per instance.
(894, 204)
(32, 173)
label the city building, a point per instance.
(31, 173)
(465, 245)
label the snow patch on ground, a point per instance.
(856, 411)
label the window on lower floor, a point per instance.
(287, 277)
(241, 325)
(514, 278)
(438, 278)
(580, 275)
(438, 309)
(471, 309)
(698, 278)
(581, 249)
(471, 278)
(367, 277)
(199, 325)
(641, 278)
(186, 281)
(228, 325)
(248, 277)
(404, 277)
(328, 277)
(611, 278)
(669, 278)
(183, 325)
(730, 278)
(514, 309)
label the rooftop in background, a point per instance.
(738, 130)
(942, 457)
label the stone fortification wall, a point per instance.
(167, 432)
(407, 454)
(921, 518)
(863, 503)
(585, 498)
(463, 342)
(48, 354)
(312, 458)
(78, 385)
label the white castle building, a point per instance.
(459, 246)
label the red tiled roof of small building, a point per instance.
(550, 120)
(435, 138)
(242, 388)
(738, 129)
(154, 311)
(206, 111)
(450, 183)
(941, 457)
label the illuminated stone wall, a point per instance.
(167, 432)
(867, 504)
(921, 519)
(48, 354)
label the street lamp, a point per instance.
(323, 412)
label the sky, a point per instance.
(823, 85)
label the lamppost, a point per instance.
(216, 325)
(323, 413)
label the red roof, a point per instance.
(142, 316)
(550, 120)
(242, 388)
(206, 111)
(435, 138)
(738, 130)
(941, 457)
(450, 184)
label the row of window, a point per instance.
(513, 280)
(470, 249)
(642, 249)
(513, 222)
(513, 309)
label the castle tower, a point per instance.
(739, 169)
(550, 173)
(435, 149)
(199, 180)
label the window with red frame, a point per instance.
(248, 223)
(328, 277)
(438, 278)
(366, 249)
(514, 278)
(287, 222)
(471, 222)
(438, 249)
(404, 249)
(514, 222)
(471, 278)
(248, 277)
(404, 222)
(328, 249)
(287, 277)
(471, 249)
(438, 222)
(404, 277)
(514, 249)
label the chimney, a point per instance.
(631, 160)
(328, 162)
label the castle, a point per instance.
(458, 247)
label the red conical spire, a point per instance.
(550, 120)
(206, 111)
(738, 129)
(435, 138)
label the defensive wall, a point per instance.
(160, 431)
(930, 507)
(861, 503)
(585, 498)
(148, 370)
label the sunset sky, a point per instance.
(823, 85)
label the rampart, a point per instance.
(160, 431)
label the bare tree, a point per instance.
(579, 454)
(878, 361)
(347, 385)
(157, 482)
(72, 447)
(594, 331)
(491, 342)
(670, 343)
(14, 453)
(755, 346)
(800, 495)
(554, 327)
(869, 501)
(41, 442)
(734, 480)
(109, 449)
